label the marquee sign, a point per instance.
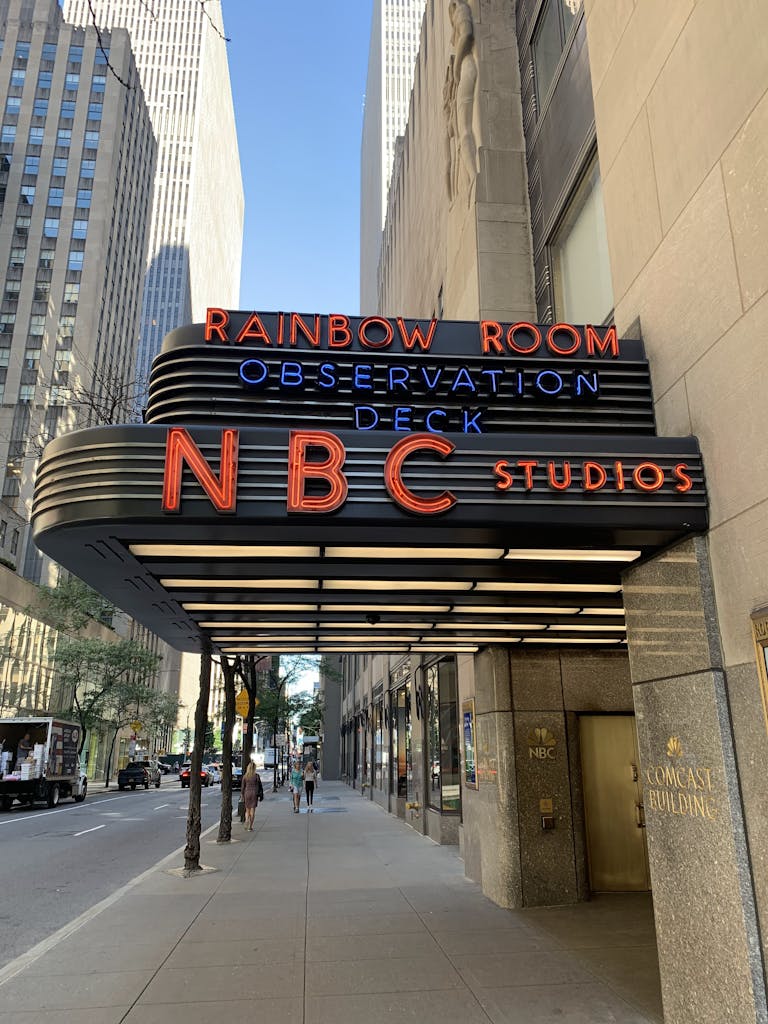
(379, 374)
(321, 466)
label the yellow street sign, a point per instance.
(136, 726)
(242, 703)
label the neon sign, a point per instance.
(317, 483)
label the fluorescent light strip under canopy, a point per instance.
(550, 588)
(447, 554)
(205, 606)
(572, 555)
(224, 550)
(397, 585)
(213, 583)
(569, 640)
(500, 609)
(396, 609)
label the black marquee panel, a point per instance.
(550, 502)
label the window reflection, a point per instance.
(442, 736)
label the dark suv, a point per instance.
(139, 773)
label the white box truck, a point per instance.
(39, 761)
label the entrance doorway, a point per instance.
(617, 850)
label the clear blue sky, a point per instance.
(298, 79)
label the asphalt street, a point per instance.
(55, 864)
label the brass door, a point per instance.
(613, 804)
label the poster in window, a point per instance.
(468, 719)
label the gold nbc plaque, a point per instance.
(541, 745)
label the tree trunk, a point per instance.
(225, 822)
(192, 849)
(274, 756)
(108, 768)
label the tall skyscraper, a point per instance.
(395, 32)
(197, 219)
(77, 159)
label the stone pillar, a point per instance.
(490, 842)
(706, 921)
(543, 779)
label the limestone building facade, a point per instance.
(600, 163)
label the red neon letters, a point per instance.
(405, 497)
(319, 456)
(180, 448)
(329, 470)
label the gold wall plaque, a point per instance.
(760, 638)
(541, 745)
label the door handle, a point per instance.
(640, 815)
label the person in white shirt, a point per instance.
(310, 778)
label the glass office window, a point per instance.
(547, 47)
(13, 105)
(580, 263)
(552, 28)
(36, 135)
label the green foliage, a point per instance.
(71, 605)
(107, 680)
(159, 711)
(311, 720)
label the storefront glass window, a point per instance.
(401, 742)
(442, 737)
(582, 272)
(379, 774)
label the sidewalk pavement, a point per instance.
(342, 916)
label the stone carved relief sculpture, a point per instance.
(459, 98)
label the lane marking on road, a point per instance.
(26, 959)
(161, 806)
(61, 810)
(87, 830)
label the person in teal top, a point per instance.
(297, 781)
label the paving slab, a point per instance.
(338, 919)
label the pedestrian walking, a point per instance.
(297, 781)
(253, 791)
(310, 778)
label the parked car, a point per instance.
(139, 773)
(205, 778)
(214, 772)
(237, 776)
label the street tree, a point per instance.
(278, 707)
(225, 820)
(102, 677)
(311, 720)
(194, 817)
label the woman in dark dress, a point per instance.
(253, 791)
